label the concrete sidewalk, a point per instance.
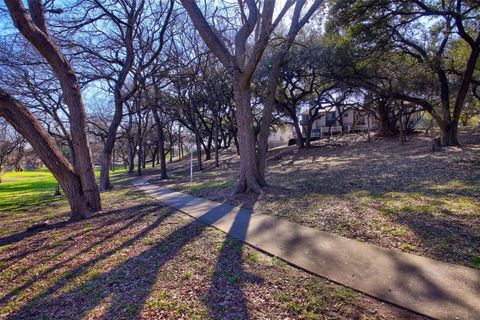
(432, 288)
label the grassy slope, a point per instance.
(29, 188)
(20, 189)
(400, 197)
(140, 260)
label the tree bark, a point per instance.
(297, 23)
(198, 143)
(30, 128)
(267, 113)
(131, 158)
(298, 133)
(449, 135)
(385, 126)
(104, 183)
(250, 179)
(161, 145)
(217, 143)
(308, 134)
(33, 28)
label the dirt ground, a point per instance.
(403, 197)
(138, 260)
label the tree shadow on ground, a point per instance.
(373, 191)
(123, 290)
(434, 195)
(131, 220)
(11, 239)
(225, 297)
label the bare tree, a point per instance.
(298, 21)
(31, 129)
(241, 65)
(122, 52)
(31, 23)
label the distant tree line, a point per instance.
(137, 83)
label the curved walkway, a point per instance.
(429, 287)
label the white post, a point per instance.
(348, 128)
(321, 133)
(191, 164)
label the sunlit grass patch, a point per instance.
(396, 231)
(465, 187)
(196, 187)
(30, 188)
(407, 247)
(26, 188)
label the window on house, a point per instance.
(330, 119)
(345, 115)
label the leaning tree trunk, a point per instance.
(250, 179)
(267, 116)
(43, 145)
(31, 23)
(450, 134)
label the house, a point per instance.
(280, 135)
(331, 121)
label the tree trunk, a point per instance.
(171, 150)
(43, 145)
(154, 156)
(199, 151)
(308, 134)
(298, 133)
(217, 143)
(105, 183)
(449, 135)
(139, 158)
(235, 142)
(144, 159)
(402, 129)
(250, 179)
(208, 154)
(268, 113)
(31, 23)
(161, 145)
(131, 157)
(113, 161)
(385, 126)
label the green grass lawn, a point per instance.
(27, 188)
(30, 188)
